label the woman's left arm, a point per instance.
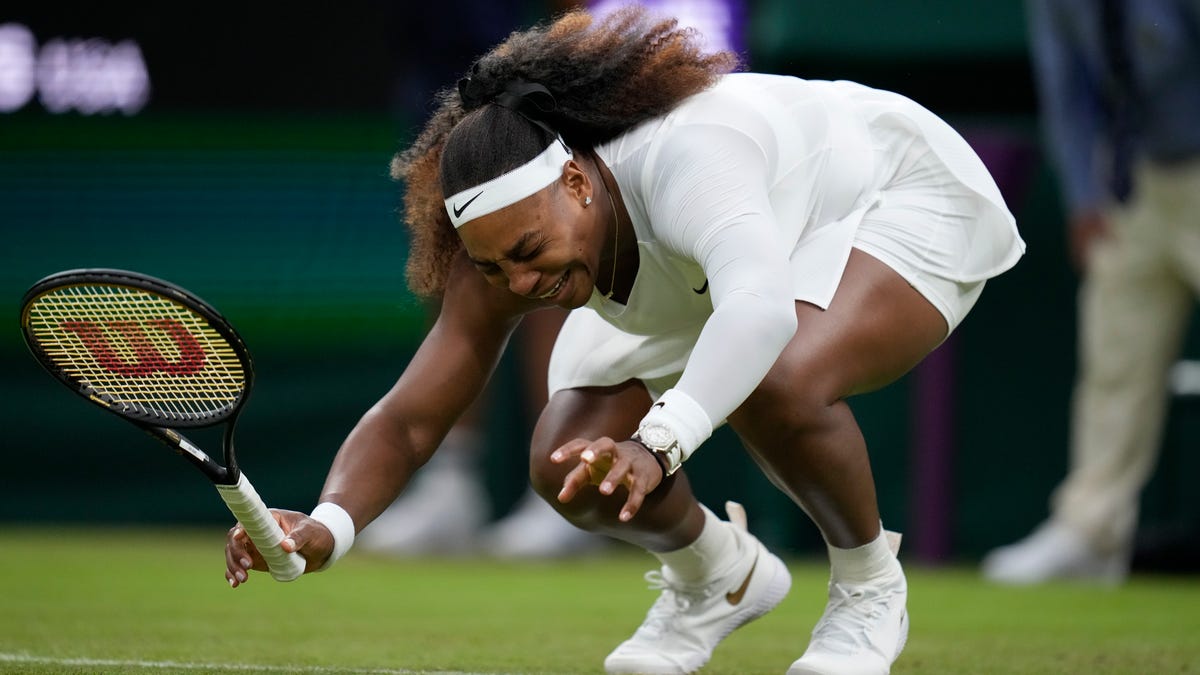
(708, 200)
(709, 203)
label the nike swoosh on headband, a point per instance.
(509, 187)
(459, 209)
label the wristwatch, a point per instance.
(661, 441)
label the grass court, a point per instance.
(154, 601)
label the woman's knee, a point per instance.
(545, 476)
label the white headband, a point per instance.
(509, 188)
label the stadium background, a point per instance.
(256, 176)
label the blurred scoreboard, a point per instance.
(242, 154)
(125, 57)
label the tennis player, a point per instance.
(736, 248)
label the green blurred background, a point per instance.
(256, 177)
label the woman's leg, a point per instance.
(797, 425)
(670, 518)
(715, 575)
(800, 430)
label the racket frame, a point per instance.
(234, 488)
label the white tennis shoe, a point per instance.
(862, 631)
(1052, 552)
(686, 622)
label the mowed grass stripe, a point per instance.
(142, 596)
(16, 660)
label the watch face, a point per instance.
(656, 436)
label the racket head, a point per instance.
(140, 347)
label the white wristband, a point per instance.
(340, 524)
(681, 414)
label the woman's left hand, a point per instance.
(607, 464)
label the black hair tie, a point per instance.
(530, 100)
(469, 90)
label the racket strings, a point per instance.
(134, 347)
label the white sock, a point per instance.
(714, 552)
(863, 563)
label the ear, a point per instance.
(576, 181)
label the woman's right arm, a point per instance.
(402, 430)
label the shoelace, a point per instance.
(673, 601)
(851, 614)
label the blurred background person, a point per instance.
(1119, 87)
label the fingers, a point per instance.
(622, 473)
(632, 505)
(617, 474)
(570, 450)
(641, 474)
(301, 534)
(312, 540)
(241, 556)
(608, 465)
(294, 532)
(574, 481)
(577, 477)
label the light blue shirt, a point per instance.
(1073, 77)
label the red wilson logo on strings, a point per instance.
(147, 359)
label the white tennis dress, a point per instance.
(749, 196)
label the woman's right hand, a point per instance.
(302, 535)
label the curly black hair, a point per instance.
(599, 80)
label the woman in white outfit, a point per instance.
(736, 248)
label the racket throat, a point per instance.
(186, 449)
(219, 474)
(233, 473)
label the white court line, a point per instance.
(210, 667)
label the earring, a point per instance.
(587, 200)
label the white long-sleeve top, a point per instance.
(745, 198)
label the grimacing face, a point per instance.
(544, 247)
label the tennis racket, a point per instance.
(162, 358)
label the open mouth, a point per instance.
(554, 291)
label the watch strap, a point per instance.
(670, 457)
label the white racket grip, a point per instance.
(266, 534)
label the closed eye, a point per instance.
(486, 267)
(528, 254)
(524, 250)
